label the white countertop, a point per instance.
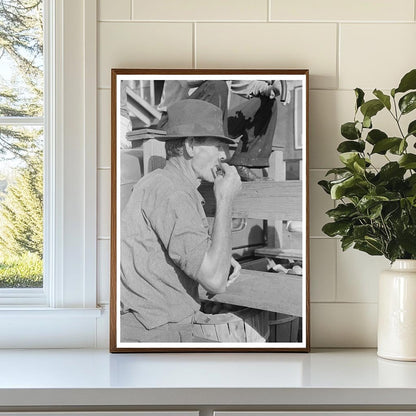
(96, 377)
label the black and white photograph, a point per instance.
(209, 211)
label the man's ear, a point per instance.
(189, 146)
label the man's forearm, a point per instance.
(213, 273)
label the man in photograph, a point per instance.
(166, 250)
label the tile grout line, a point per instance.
(269, 11)
(344, 302)
(336, 272)
(254, 21)
(194, 63)
(131, 9)
(338, 64)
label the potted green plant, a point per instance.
(376, 206)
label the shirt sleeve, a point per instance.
(180, 228)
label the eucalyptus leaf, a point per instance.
(342, 211)
(393, 249)
(338, 171)
(349, 146)
(367, 122)
(408, 102)
(391, 170)
(377, 209)
(408, 82)
(349, 131)
(361, 231)
(375, 135)
(333, 229)
(385, 99)
(359, 95)
(411, 130)
(325, 186)
(374, 242)
(338, 189)
(408, 161)
(371, 108)
(407, 240)
(411, 180)
(346, 242)
(359, 166)
(411, 183)
(383, 145)
(399, 148)
(368, 248)
(369, 201)
(348, 158)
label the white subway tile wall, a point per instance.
(375, 55)
(200, 10)
(337, 325)
(357, 275)
(345, 44)
(104, 203)
(114, 10)
(355, 10)
(104, 128)
(103, 271)
(319, 203)
(322, 269)
(270, 45)
(142, 45)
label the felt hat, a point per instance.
(194, 118)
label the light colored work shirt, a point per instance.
(164, 238)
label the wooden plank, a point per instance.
(137, 134)
(281, 253)
(142, 103)
(275, 292)
(262, 200)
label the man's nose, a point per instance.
(224, 154)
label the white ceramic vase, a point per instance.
(397, 312)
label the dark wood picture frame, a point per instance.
(280, 210)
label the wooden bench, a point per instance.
(275, 292)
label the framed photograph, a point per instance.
(209, 211)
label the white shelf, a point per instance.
(335, 378)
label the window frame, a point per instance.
(70, 208)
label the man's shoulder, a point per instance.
(161, 182)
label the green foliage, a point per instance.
(21, 51)
(21, 271)
(21, 95)
(376, 210)
(21, 212)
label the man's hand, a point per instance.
(227, 186)
(236, 271)
(215, 267)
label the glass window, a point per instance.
(21, 143)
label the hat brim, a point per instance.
(179, 136)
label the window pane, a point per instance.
(21, 58)
(21, 207)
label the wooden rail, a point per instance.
(275, 292)
(261, 200)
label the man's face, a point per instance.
(207, 156)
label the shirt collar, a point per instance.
(177, 165)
